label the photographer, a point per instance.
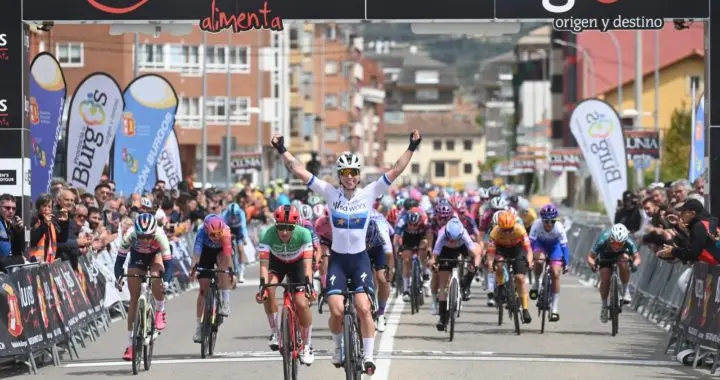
(701, 244)
(43, 234)
(12, 233)
(629, 212)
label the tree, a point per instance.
(676, 146)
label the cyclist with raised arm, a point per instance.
(380, 250)
(350, 207)
(147, 245)
(509, 242)
(235, 218)
(453, 241)
(286, 249)
(549, 242)
(213, 246)
(613, 246)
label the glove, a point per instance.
(414, 140)
(279, 144)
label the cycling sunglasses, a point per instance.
(550, 221)
(349, 172)
(216, 235)
(285, 227)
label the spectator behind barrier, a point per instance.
(629, 212)
(702, 243)
(64, 213)
(12, 233)
(44, 231)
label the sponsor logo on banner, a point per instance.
(169, 165)
(150, 106)
(47, 100)
(642, 147)
(697, 147)
(564, 160)
(598, 131)
(96, 111)
(107, 6)
(246, 161)
(523, 164)
(240, 21)
(11, 176)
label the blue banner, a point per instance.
(150, 106)
(47, 99)
(697, 156)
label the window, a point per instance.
(188, 113)
(347, 68)
(427, 94)
(215, 109)
(151, 56)
(294, 43)
(437, 144)
(239, 58)
(415, 168)
(467, 168)
(694, 79)
(395, 117)
(331, 101)
(308, 125)
(306, 42)
(467, 144)
(240, 110)
(331, 134)
(450, 145)
(331, 32)
(439, 169)
(306, 83)
(70, 54)
(345, 100)
(331, 67)
(427, 77)
(191, 60)
(216, 58)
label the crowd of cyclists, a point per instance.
(349, 237)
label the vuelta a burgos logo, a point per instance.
(601, 128)
(118, 7)
(569, 4)
(92, 113)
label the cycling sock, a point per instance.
(491, 282)
(381, 307)
(443, 310)
(368, 347)
(337, 339)
(130, 338)
(225, 294)
(307, 333)
(555, 302)
(272, 321)
(406, 282)
(241, 269)
(604, 302)
(524, 301)
(626, 288)
(159, 305)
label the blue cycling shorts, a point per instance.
(353, 267)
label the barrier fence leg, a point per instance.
(55, 355)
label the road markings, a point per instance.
(382, 365)
(387, 357)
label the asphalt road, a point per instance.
(576, 347)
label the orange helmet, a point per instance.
(506, 220)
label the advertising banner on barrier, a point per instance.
(701, 312)
(598, 131)
(96, 111)
(47, 101)
(642, 147)
(169, 165)
(150, 106)
(697, 154)
(12, 337)
(29, 325)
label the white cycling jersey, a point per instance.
(385, 230)
(556, 235)
(349, 217)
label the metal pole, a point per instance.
(706, 119)
(203, 111)
(136, 60)
(258, 120)
(618, 51)
(638, 96)
(322, 98)
(228, 131)
(657, 103)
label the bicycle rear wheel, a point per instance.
(138, 336)
(207, 322)
(351, 366)
(514, 302)
(414, 290)
(614, 304)
(288, 348)
(452, 303)
(148, 348)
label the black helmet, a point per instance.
(410, 203)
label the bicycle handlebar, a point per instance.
(143, 276)
(365, 289)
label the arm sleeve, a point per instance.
(439, 243)
(468, 240)
(163, 241)
(695, 244)
(126, 242)
(264, 245)
(385, 236)
(227, 247)
(321, 187)
(379, 187)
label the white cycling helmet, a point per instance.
(619, 233)
(498, 203)
(496, 217)
(318, 210)
(306, 212)
(348, 160)
(523, 204)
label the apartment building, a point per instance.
(254, 62)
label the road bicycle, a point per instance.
(615, 302)
(144, 332)
(509, 298)
(291, 342)
(352, 335)
(544, 297)
(211, 319)
(454, 298)
(416, 283)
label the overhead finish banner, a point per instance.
(598, 131)
(169, 165)
(150, 106)
(96, 111)
(697, 155)
(47, 100)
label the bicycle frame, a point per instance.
(210, 318)
(144, 325)
(545, 283)
(510, 299)
(454, 298)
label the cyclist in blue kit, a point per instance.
(235, 218)
(350, 208)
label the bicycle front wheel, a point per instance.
(287, 348)
(452, 305)
(514, 303)
(148, 348)
(207, 322)
(351, 366)
(614, 305)
(138, 335)
(545, 301)
(414, 289)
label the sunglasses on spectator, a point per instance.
(285, 227)
(349, 172)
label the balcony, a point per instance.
(296, 57)
(295, 100)
(373, 95)
(309, 106)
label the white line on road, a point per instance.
(387, 341)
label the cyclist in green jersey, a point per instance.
(286, 249)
